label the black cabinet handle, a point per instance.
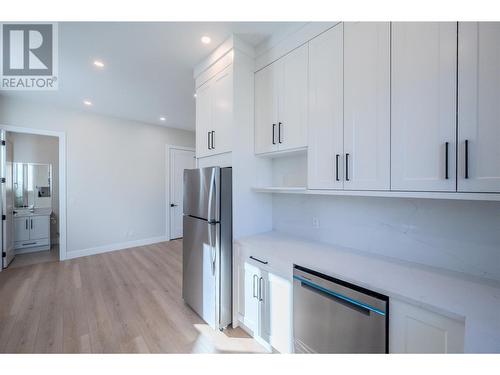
(279, 132)
(213, 139)
(446, 146)
(26, 223)
(208, 137)
(31, 222)
(337, 156)
(347, 167)
(173, 205)
(258, 260)
(274, 131)
(466, 158)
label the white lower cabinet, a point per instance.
(250, 310)
(32, 232)
(414, 329)
(267, 307)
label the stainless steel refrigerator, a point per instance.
(207, 244)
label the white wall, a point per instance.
(461, 236)
(115, 173)
(31, 148)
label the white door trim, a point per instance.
(168, 184)
(62, 177)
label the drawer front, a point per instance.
(31, 243)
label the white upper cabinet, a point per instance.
(222, 111)
(281, 104)
(266, 110)
(214, 114)
(325, 130)
(366, 105)
(479, 107)
(203, 120)
(423, 129)
(292, 107)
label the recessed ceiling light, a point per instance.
(205, 39)
(194, 96)
(88, 103)
(99, 64)
(162, 118)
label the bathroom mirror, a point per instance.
(32, 184)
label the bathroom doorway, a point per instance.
(30, 198)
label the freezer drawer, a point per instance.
(333, 316)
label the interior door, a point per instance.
(266, 110)
(203, 120)
(478, 106)
(292, 94)
(367, 103)
(424, 95)
(222, 111)
(326, 134)
(179, 161)
(7, 158)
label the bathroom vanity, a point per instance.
(32, 206)
(32, 230)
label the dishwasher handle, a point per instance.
(337, 297)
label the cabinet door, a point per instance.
(21, 229)
(325, 128)
(251, 309)
(39, 227)
(479, 106)
(276, 311)
(367, 132)
(203, 119)
(292, 94)
(266, 106)
(424, 59)
(416, 330)
(222, 111)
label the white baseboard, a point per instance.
(114, 247)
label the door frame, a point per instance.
(62, 177)
(168, 184)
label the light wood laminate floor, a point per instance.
(126, 301)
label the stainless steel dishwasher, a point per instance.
(334, 316)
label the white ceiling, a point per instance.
(148, 69)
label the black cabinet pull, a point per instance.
(446, 146)
(208, 137)
(213, 139)
(274, 131)
(337, 167)
(31, 222)
(279, 132)
(258, 260)
(466, 158)
(347, 167)
(26, 223)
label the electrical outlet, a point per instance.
(315, 222)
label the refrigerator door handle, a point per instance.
(210, 196)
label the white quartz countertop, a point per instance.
(473, 300)
(36, 212)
